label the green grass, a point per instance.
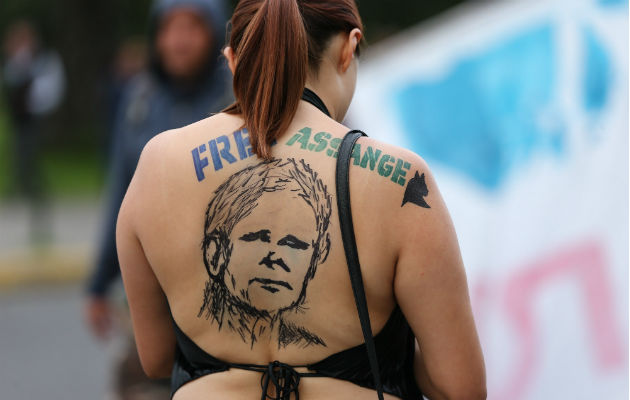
(66, 172)
(70, 173)
(5, 159)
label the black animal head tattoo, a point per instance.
(258, 276)
(416, 191)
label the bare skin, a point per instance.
(409, 256)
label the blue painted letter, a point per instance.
(200, 163)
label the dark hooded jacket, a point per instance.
(153, 103)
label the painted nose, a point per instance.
(266, 261)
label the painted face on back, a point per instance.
(272, 252)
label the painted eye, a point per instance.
(293, 242)
(263, 235)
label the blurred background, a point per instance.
(519, 107)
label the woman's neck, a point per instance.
(325, 83)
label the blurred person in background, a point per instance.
(129, 61)
(34, 82)
(186, 81)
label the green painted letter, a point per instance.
(400, 172)
(335, 145)
(321, 140)
(306, 135)
(385, 169)
(356, 154)
(370, 156)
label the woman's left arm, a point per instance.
(150, 313)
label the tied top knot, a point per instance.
(285, 380)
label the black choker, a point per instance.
(309, 96)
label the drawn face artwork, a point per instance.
(266, 232)
(272, 252)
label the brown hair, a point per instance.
(274, 43)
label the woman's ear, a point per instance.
(349, 48)
(229, 55)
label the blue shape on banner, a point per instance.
(613, 2)
(491, 112)
(597, 72)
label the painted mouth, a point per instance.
(270, 284)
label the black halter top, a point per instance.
(395, 347)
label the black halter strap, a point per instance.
(347, 232)
(342, 178)
(309, 96)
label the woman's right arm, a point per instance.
(431, 289)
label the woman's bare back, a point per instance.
(246, 256)
(249, 253)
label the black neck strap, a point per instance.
(309, 96)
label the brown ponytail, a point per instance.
(271, 71)
(274, 43)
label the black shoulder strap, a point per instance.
(350, 247)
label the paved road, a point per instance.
(45, 351)
(66, 255)
(73, 223)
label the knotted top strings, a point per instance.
(285, 380)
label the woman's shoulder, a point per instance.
(181, 157)
(391, 165)
(394, 151)
(398, 185)
(175, 143)
(204, 129)
(325, 136)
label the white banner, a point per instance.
(521, 110)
